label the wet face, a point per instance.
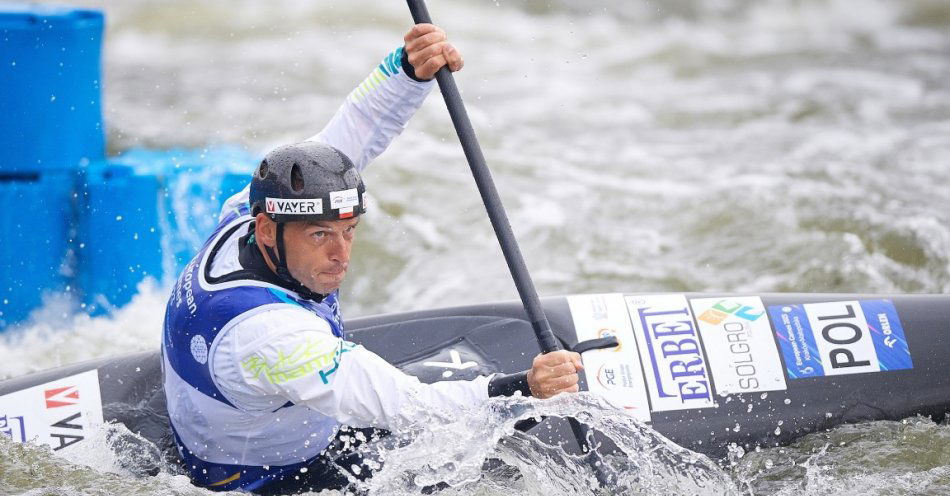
(318, 253)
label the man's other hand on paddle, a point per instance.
(428, 50)
(554, 373)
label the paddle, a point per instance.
(499, 221)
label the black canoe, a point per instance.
(778, 365)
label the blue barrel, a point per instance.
(36, 261)
(50, 125)
(145, 213)
(50, 110)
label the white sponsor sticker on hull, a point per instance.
(738, 340)
(614, 374)
(60, 413)
(676, 370)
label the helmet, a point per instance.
(307, 181)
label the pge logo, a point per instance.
(607, 377)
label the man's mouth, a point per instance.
(335, 272)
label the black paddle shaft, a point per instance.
(486, 187)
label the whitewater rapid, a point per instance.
(735, 146)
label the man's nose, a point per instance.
(339, 250)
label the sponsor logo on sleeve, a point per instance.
(286, 206)
(614, 374)
(670, 350)
(317, 356)
(737, 337)
(842, 337)
(59, 413)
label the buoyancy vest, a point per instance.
(223, 445)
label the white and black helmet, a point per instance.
(306, 182)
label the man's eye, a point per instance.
(320, 234)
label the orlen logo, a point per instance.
(725, 308)
(64, 396)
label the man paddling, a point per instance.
(258, 374)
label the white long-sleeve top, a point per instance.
(287, 353)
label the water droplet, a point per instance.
(788, 401)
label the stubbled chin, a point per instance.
(326, 283)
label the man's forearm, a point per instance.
(376, 111)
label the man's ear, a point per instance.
(265, 230)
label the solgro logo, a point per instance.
(724, 308)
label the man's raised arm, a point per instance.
(379, 108)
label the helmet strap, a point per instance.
(283, 273)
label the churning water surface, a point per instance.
(685, 145)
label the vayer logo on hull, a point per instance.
(841, 337)
(60, 413)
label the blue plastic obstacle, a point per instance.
(77, 224)
(50, 124)
(146, 213)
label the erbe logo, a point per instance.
(724, 308)
(64, 396)
(843, 337)
(286, 206)
(742, 353)
(670, 349)
(13, 428)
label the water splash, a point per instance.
(484, 453)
